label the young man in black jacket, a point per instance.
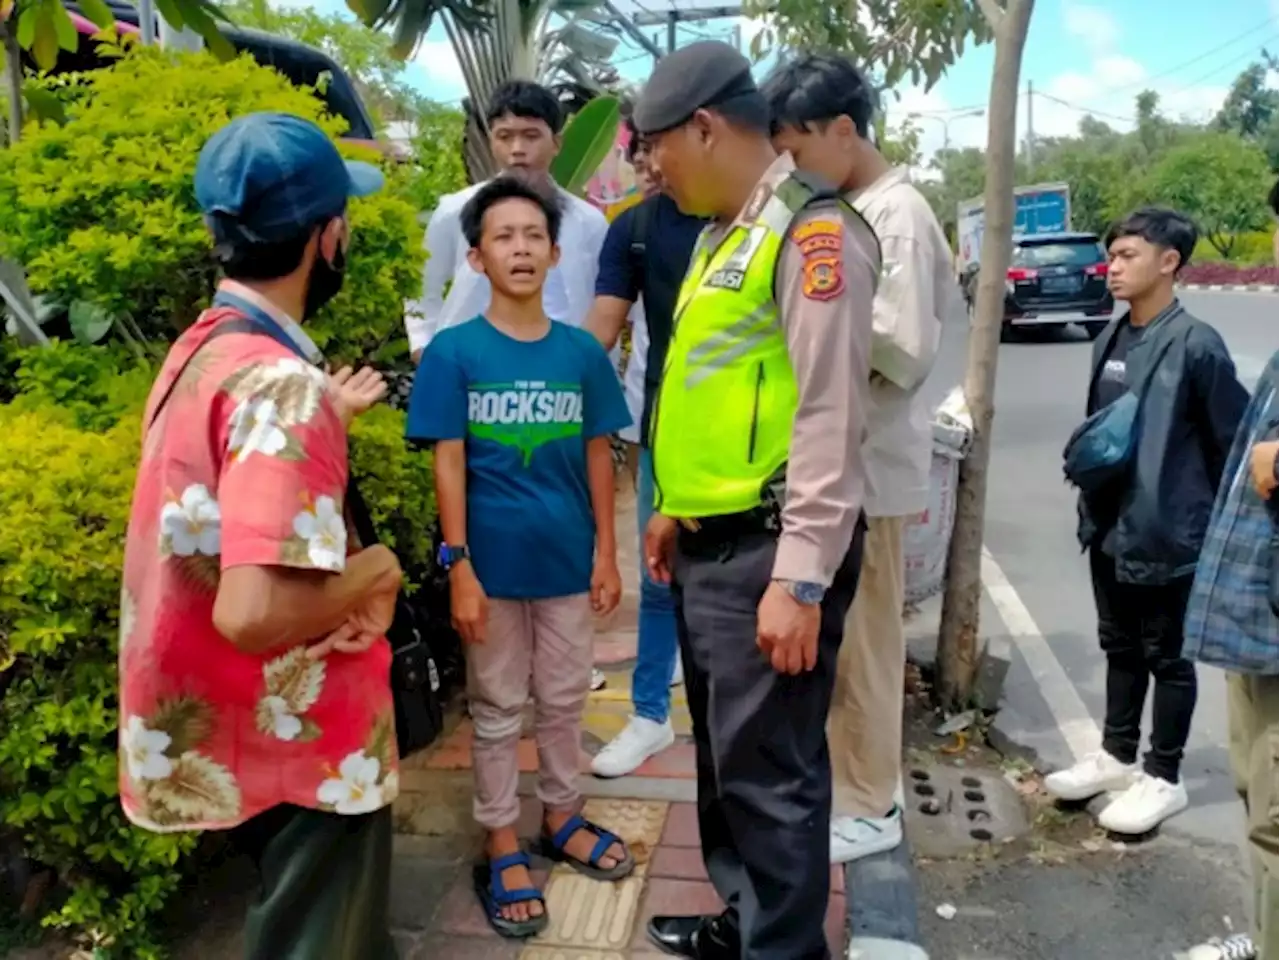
(1144, 533)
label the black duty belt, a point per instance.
(766, 518)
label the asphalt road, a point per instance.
(1030, 527)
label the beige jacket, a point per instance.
(915, 292)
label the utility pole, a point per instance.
(147, 22)
(629, 28)
(1031, 129)
(673, 21)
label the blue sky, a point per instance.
(1081, 56)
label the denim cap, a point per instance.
(265, 177)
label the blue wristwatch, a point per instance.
(450, 556)
(803, 591)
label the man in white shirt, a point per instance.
(822, 108)
(525, 121)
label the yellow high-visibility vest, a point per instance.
(721, 425)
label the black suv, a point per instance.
(1055, 279)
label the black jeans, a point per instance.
(325, 885)
(764, 775)
(1140, 629)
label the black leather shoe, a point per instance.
(701, 938)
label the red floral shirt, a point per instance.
(246, 463)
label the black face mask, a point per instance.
(326, 281)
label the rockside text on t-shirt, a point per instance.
(525, 410)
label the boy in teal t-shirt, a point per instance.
(520, 409)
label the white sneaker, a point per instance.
(598, 680)
(639, 740)
(853, 838)
(1142, 807)
(677, 675)
(873, 948)
(1238, 947)
(1097, 773)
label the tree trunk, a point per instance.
(958, 648)
(12, 78)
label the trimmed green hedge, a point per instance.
(102, 211)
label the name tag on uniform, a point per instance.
(727, 278)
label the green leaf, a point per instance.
(172, 12)
(44, 42)
(27, 26)
(199, 16)
(90, 323)
(98, 13)
(43, 105)
(63, 27)
(587, 141)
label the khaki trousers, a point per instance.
(864, 729)
(1252, 721)
(538, 646)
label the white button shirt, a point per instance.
(567, 296)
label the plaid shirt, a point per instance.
(1230, 623)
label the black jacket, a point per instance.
(1187, 418)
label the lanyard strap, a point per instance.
(263, 321)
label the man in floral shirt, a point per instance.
(254, 670)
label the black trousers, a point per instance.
(1141, 632)
(764, 775)
(325, 885)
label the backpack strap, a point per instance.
(235, 324)
(641, 220)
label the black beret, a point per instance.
(700, 75)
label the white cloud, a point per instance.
(1105, 85)
(1094, 26)
(439, 71)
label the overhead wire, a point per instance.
(1256, 28)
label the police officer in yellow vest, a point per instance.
(756, 437)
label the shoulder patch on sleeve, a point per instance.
(821, 244)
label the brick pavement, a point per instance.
(435, 911)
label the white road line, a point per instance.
(1078, 728)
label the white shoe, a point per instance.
(598, 680)
(639, 740)
(1238, 947)
(677, 675)
(1097, 773)
(873, 948)
(1142, 807)
(853, 838)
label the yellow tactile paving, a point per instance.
(539, 952)
(639, 822)
(608, 710)
(587, 915)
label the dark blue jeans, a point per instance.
(656, 646)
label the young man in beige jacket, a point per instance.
(822, 108)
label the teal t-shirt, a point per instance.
(526, 411)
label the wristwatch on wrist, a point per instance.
(450, 556)
(802, 591)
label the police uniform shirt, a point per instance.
(825, 308)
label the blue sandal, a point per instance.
(494, 897)
(553, 849)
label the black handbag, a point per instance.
(415, 681)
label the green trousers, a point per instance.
(1252, 720)
(325, 886)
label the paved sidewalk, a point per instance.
(435, 909)
(436, 912)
